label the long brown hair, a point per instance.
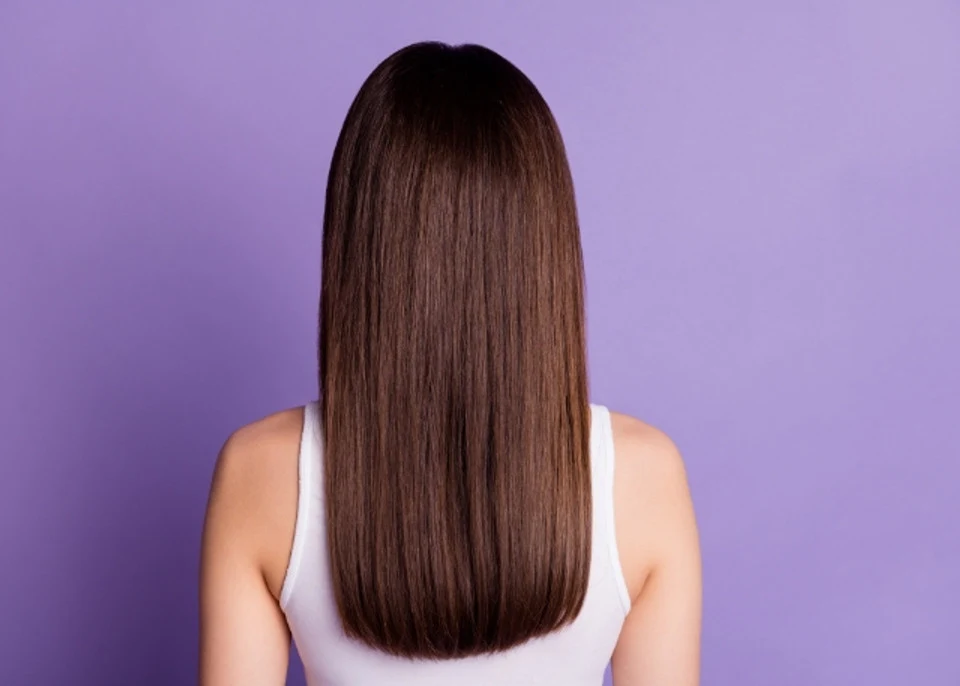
(452, 361)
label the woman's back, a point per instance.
(574, 655)
(642, 606)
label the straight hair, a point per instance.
(452, 361)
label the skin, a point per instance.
(248, 535)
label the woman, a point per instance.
(447, 512)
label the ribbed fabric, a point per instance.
(573, 656)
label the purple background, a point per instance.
(770, 202)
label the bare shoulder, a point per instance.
(647, 459)
(253, 496)
(652, 503)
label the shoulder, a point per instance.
(253, 495)
(652, 504)
(257, 445)
(648, 461)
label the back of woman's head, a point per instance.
(452, 361)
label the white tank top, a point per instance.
(575, 655)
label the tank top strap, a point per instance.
(603, 459)
(309, 500)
